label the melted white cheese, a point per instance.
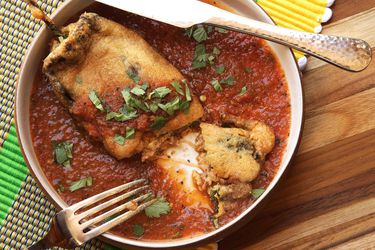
(181, 163)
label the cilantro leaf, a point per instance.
(131, 101)
(129, 133)
(153, 107)
(221, 30)
(159, 92)
(184, 106)
(82, 183)
(216, 51)
(228, 81)
(177, 87)
(209, 29)
(256, 193)
(215, 222)
(138, 230)
(200, 57)
(158, 123)
(243, 91)
(138, 90)
(215, 83)
(63, 153)
(158, 208)
(187, 91)
(133, 74)
(200, 34)
(95, 100)
(119, 139)
(125, 113)
(170, 107)
(220, 69)
(189, 31)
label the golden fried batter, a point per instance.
(98, 55)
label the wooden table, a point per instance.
(327, 199)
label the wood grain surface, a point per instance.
(327, 199)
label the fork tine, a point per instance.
(106, 204)
(114, 211)
(104, 195)
(116, 221)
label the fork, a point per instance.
(71, 228)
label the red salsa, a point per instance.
(257, 90)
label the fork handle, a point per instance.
(347, 53)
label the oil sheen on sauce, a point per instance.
(244, 57)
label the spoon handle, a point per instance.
(348, 53)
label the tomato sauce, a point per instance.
(246, 58)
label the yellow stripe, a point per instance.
(308, 5)
(298, 54)
(296, 8)
(290, 16)
(285, 24)
(322, 3)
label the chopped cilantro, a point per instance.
(177, 87)
(158, 208)
(133, 74)
(63, 153)
(200, 34)
(79, 79)
(211, 59)
(228, 81)
(95, 100)
(221, 30)
(138, 230)
(138, 90)
(131, 101)
(248, 70)
(256, 193)
(215, 200)
(184, 106)
(215, 83)
(187, 91)
(129, 133)
(200, 57)
(209, 29)
(82, 183)
(153, 107)
(220, 69)
(243, 91)
(125, 113)
(159, 92)
(170, 107)
(215, 222)
(158, 123)
(189, 31)
(216, 51)
(119, 139)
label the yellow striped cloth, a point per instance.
(304, 15)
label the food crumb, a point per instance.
(202, 98)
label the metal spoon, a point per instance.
(347, 53)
